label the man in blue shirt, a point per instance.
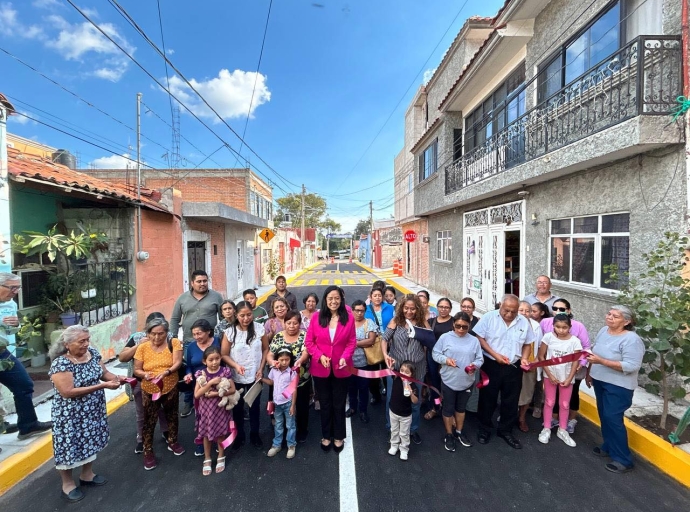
(12, 373)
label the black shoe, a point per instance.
(416, 438)
(73, 496)
(338, 449)
(599, 452)
(449, 442)
(463, 439)
(483, 436)
(364, 417)
(39, 428)
(186, 410)
(302, 438)
(350, 413)
(164, 435)
(256, 441)
(11, 428)
(512, 441)
(97, 481)
(139, 447)
(326, 447)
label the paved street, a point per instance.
(364, 477)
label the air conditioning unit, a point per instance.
(33, 283)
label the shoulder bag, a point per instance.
(374, 353)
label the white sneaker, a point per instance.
(272, 452)
(291, 452)
(393, 450)
(565, 437)
(571, 426)
(403, 455)
(545, 436)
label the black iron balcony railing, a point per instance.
(642, 78)
(101, 291)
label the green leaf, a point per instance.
(652, 388)
(661, 345)
(655, 375)
(678, 393)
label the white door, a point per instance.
(477, 266)
(240, 265)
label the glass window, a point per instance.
(443, 245)
(588, 259)
(429, 159)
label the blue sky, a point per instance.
(331, 74)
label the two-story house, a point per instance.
(554, 151)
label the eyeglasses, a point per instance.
(461, 327)
(563, 310)
(12, 288)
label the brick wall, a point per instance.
(217, 232)
(159, 279)
(419, 250)
(229, 190)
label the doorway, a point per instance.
(512, 262)
(196, 257)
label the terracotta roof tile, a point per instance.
(22, 165)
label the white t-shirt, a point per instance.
(558, 348)
(247, 355)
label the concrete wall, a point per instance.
(419, 250)
(216, 250)
(233, 234)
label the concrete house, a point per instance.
(552, 150)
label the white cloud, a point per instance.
(113, 162)
(44, 4)
(81, 40)
(229, 93)
(170, 51)
(427, 75)
(11, 26)
(20, 119)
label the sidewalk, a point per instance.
(674, 461)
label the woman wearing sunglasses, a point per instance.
(459, 355)
(562, 306)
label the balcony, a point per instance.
(641, 79)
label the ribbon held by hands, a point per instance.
(377, 374)
(130, 380)
(568, 358)
(483, 377)
(233, 434)
(159, 383)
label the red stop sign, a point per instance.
(410, 235)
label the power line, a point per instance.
(140, 66)
(131, 21)
(414, 81)
(256, 77)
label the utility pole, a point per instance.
(371, 233)
(141, 256)
(302, 235)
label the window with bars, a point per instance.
(583, 250)
(444, 242)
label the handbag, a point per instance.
(374, 354)
(424, 336)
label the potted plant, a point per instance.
(68, 316)
(30, 338)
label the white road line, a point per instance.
(348, 477)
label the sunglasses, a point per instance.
(12, 288)
(358, 311)
(461, 327)
(563, 310)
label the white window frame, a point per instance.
(596, 285)
(444, 246)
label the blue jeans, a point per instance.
(283, 419)
(434, 378)
(22, 387)
(612, 402)
(415, 407)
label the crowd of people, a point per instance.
(322, 355)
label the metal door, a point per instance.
(196, 257)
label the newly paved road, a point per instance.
(494, 477)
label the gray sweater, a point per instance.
(627, 348)
(466, 350)
(188, 310)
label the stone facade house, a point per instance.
(549, 148)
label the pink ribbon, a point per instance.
(569, 358)
(233, 434)
(290, 390)
(377, 374)
(270, 407)
(483, 377)
(130, 380)
(157, 382)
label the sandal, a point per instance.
(220, 465)
(431, 414)
(206, 469)
(523, 426)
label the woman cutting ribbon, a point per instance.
(156, 363)
(331, 341)
(397, 347)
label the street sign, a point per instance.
(410, 235)
(266, 235)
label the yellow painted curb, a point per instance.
(669, 459)
(262, 299)
(20, 465)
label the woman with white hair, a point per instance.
(614, 365)
(80, 422)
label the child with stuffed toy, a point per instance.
(212, 418)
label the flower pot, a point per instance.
(88, 294)
(69, 318)
(38, 360)
(19, 351)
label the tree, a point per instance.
(363, 228)
(660, 299)
(291, 206)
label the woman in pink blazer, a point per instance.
(331, 341)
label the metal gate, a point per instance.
(196, 257)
